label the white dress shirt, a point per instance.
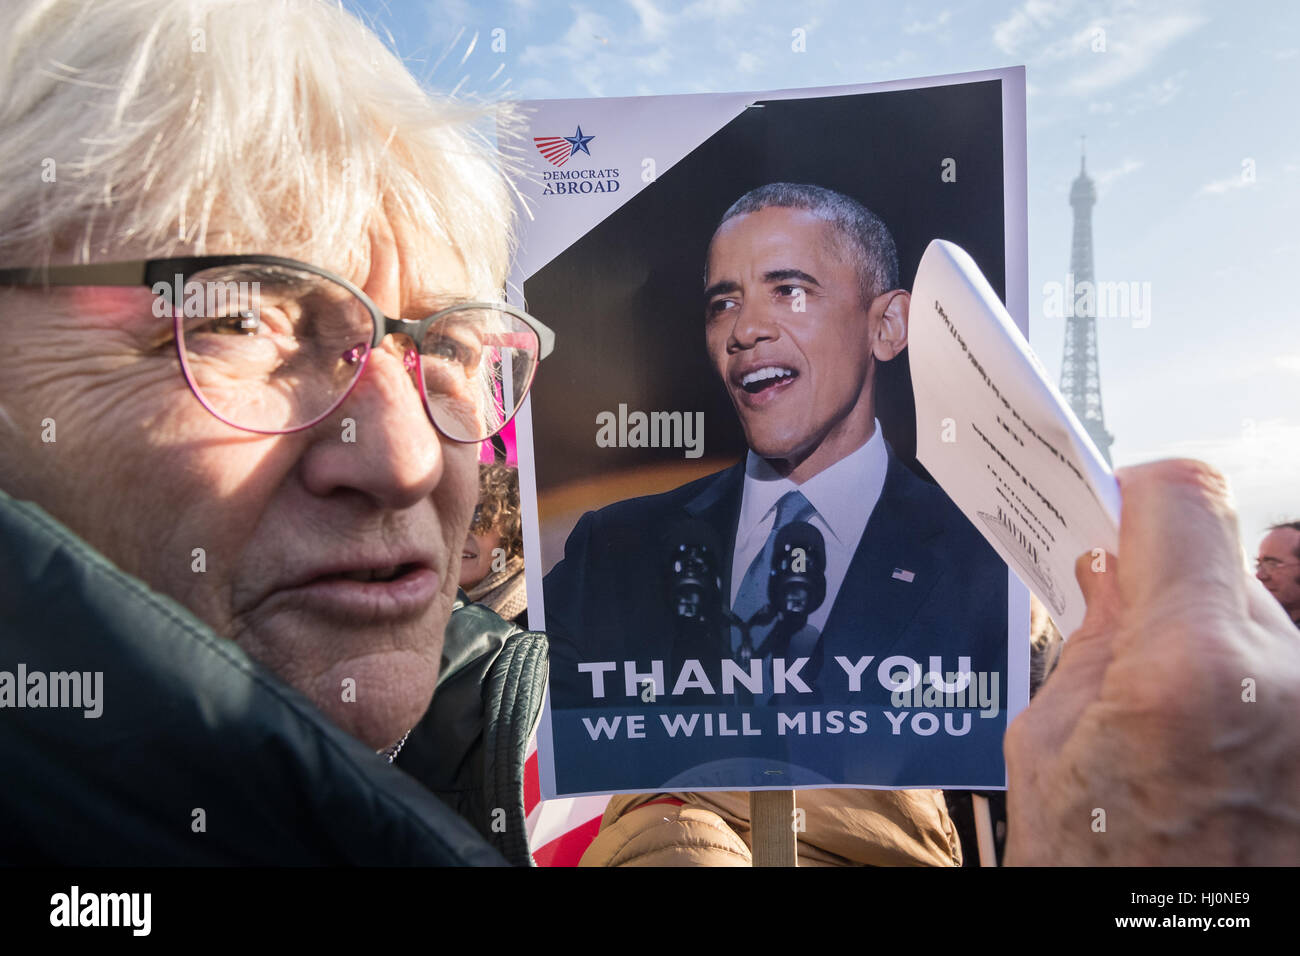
(844, 495)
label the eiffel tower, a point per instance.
(1080, 380)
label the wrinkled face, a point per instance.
(477, 555)
(788, 334)
(1283, 581)
(326, 560)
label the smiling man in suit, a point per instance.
(801, 305)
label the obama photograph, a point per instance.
(809, 609)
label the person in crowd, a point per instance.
(492, 562)
(250, 283)
(1278, 566)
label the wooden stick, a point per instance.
(984, 831)
(771, 819)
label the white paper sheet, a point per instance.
(999, 438)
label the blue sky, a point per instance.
(1193, 136)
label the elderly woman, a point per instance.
(250, 298)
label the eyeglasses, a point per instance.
(1269, 565)
(272, 345)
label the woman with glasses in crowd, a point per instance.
(251, 281)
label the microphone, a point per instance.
(693, 565)
(796, 585)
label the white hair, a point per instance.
(231, 125)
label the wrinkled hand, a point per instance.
(1147, 725)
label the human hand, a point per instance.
(1167, 735)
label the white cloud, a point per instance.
(654, 22)
(1114, 44)
(713, 9)
(889, 66)
(1217, 187)
(1013, 34)
(928, 26)
(583, 47)
(656, 62)
(578, 41)
(1157, 94)
(595, 54)
(1268, 446)
(1260, 463)
(1132, 44)
(452, 12)
(1107, 177)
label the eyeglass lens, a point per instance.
(272, 348)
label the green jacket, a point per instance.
(469, 748)
(201, 756)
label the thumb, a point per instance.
(1097, 574)
(1040, 732)
(1087, 651)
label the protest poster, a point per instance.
(709, 628)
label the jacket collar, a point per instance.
(718, 503)
(900, 536)
(896, 564)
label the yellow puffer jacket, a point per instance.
(842, 828)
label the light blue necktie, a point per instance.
(752, 595)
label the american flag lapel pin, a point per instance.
(905, 576)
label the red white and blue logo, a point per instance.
(558, 150)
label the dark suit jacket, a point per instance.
(607, 599)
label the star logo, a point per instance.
(558, 150)
(579, 142)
